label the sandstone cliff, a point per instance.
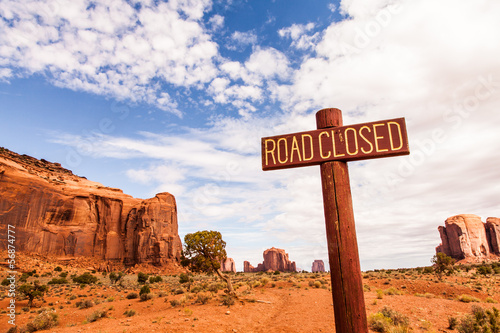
(318, 266)
(466, 236)
(59, 214)
(228, 265)
(274, 260)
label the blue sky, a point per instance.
(153, 96)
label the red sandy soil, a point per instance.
(288, 304)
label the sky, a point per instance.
(174, 96)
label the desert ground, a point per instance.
(267, 302)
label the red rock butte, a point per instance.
(465, 236)
(228, 265)
(59, 214)
(318, 266)
(274, 260)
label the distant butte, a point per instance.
(466, 237)
(274, 260)
(59, 214)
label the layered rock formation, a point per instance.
(228, 265)
(274, 260)
(318, 266)
(466, 236)
(59, 214)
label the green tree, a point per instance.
(442, 264)
(203, 252)
(36, 290)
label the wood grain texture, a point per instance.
(345, 271)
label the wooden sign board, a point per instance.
(347, 143)
(331, 146)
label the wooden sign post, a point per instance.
(330, 146)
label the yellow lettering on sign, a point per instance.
(279, 151)
(400, 135)
(333, 143)
(378, 137)
(364, 138)
(323, 156)
(304, 147)
(270, 151)
(295, 147)
(347, 141)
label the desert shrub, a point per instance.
(452, 323)
(115, 277)
(175, 303)
(58, 281)
(484, 270)
(155, 279)
(183, 278)
(388, 320)
(5, 282)
(144, 290)
(480, 321)
(379, 323)
(58, 269)
(96, 315)
(178, 291)
(85, 304)
(142, 278)
(203, 298)
(227, 300)
(214, 287)
(129, 313)
(380, 293)
(132, 295)
(43, 321)
(467, 298)
(264, 281)
(428, 270)
(63, 274)
(85, 278)
(196, 289)
(392, 291)
(398, 319)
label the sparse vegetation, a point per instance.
(96, 315)
(443, 264)
(142, 278)
(32, 291)
(203, 252)
(387, 320)
(480, 321)
(43, 321)
(85, 278)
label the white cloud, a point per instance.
(298, 34)
(380, 62)
(217, 22)
(136, 47)
(240, 40)
(443, 77)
